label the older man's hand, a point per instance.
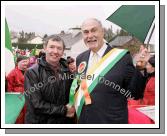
(142, 57)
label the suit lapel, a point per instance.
(108, 49)
(87, 60)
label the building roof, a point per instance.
(70, 39)
(34, 38)
(120, 40)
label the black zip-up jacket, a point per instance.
(47, 93)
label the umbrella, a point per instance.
(138, 20)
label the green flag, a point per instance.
(9, 57)
(14, 103)
(8, 43)
(33, 52)
(135, 19)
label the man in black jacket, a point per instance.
(108, 104)
(47, 86)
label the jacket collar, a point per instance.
(63, 64)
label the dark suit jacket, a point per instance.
(109, 104)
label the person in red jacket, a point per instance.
(15, 81)
(15, 78)
(136, 117)
(149, 91)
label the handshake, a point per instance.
(70, 111)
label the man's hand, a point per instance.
(70, 111)
(142, 57)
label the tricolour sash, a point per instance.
(100, 69)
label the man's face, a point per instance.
(23, 64)
(32, 60)
(54, 51)
(93, 34)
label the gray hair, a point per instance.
(53, 38)
(95, 19)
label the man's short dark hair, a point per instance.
(53, 38)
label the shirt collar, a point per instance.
(100, 52)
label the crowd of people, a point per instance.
(103, 104)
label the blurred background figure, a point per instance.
(149, 92)
(16, 77)
(71, 64)
(15, 81)
(32, 61)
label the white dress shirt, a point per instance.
(100, 54)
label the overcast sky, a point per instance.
(51, 19)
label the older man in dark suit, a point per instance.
(108, 104)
